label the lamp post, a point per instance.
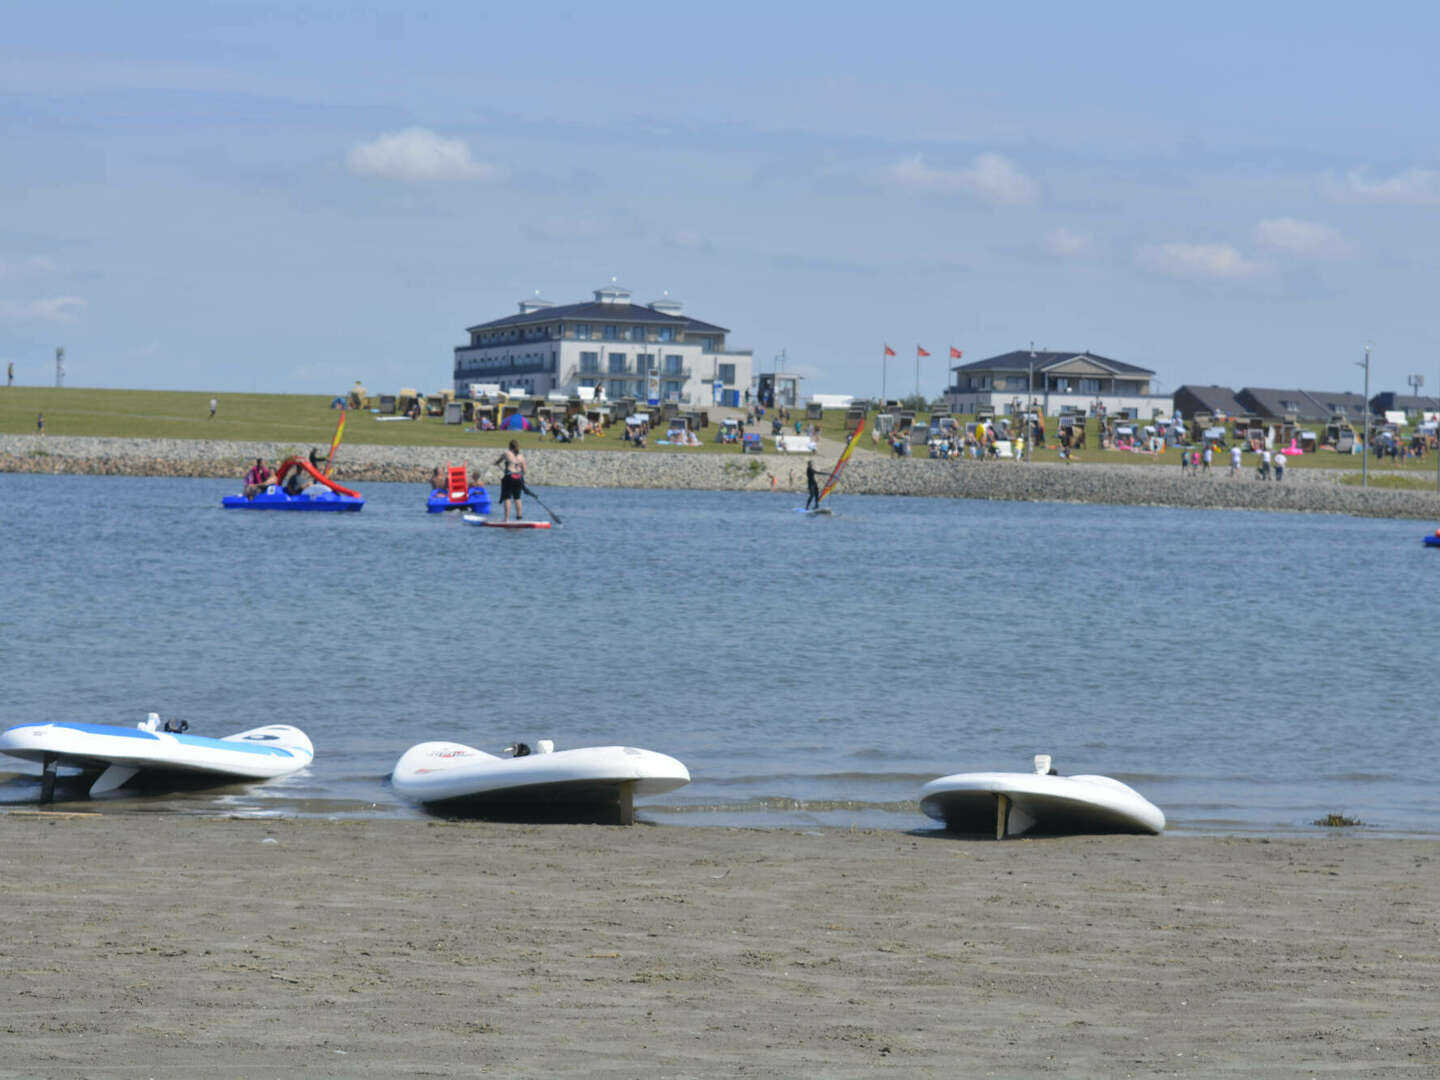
(1365, 407)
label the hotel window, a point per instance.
(617, 362)
(1089, 386)
(673, 364)
(582, 331)
(608, 333)
(726, 373)
(644, 362)
(590, 361)
(666, 333)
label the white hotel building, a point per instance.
(650, 352)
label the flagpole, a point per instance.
(884, 369)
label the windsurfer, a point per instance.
(813, 484)
(512, 481)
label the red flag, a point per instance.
(954, 353)
(889, 351)
(920, 352)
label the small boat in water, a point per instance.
(1041, 803)
(294, 490)
(595, 784)
(457, 494)
(118, 754)
(1433, 539)
(475, 499)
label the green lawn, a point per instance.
(308, 420)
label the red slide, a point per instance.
(320, 478)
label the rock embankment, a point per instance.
(1303, 490)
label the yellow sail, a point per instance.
(840, 464)
(335, 443)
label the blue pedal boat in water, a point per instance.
(476, 500)
(1433, 540)
(287, 494)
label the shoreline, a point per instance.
(277, 947)
(1303, 491)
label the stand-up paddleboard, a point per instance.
(814, 511)
(486, 523)
(590, 784)
(259, 754)
(1039, 803)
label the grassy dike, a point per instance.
(156, 433)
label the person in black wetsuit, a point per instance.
(814, 486)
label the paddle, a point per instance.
(531, 492)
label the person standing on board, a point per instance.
(10, 374)
(512, 482)
(814, 495)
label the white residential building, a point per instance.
(1054, 380)
(649, 352)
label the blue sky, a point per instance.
(253, 197)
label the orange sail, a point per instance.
(834, 477)
(335, 443)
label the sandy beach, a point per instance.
(139, 945)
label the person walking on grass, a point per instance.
(1279, 467)
(213, 404)
(512, 480)
(40, 424)
(1235, 460)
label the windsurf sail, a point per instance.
(335, 443)
(834, 477)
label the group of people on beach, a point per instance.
(1196, 462)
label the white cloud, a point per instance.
(1214, 262)
(55, 309)
(1412, 187)
(990, 177)
(417, 154)
(1301, 238)
(1067, 242)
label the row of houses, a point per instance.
(655, 352)
(1306, 406)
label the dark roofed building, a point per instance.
(1409, 404)
(1216, 400)
(1053, 379)
(1314, 405)
(650, 351)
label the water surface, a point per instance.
(1247, 672)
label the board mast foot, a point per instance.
(51, 765)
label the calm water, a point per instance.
(1246, 672)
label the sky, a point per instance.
(253, 197)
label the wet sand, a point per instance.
(162, 945)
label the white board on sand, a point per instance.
(593, 783)
(1039, 803)
(258, 754)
